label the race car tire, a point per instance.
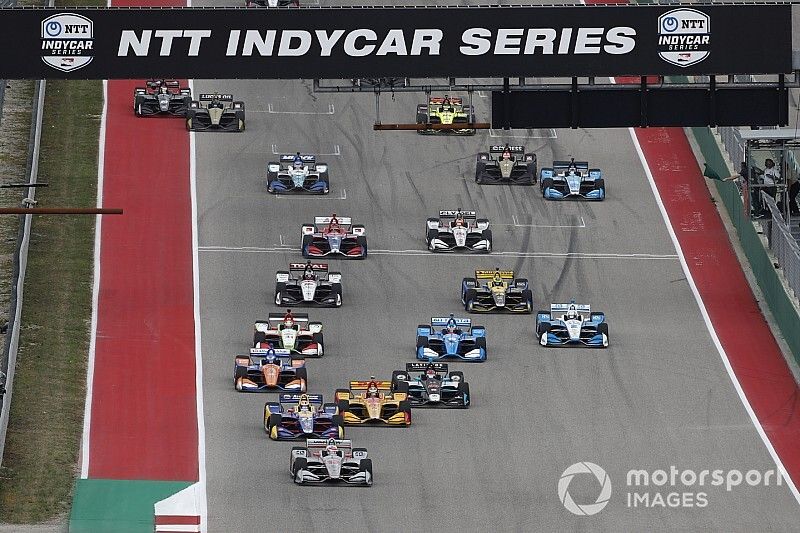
(299, 464)
(422, 341)
(600, 184)
(602, 327)
(302, 373)
(239, 372)
(480, 342)
(457, 376)
(464, 283)
(422, 118)
(336, 290)
(317, 338)
(463, 391)
(338, 421)
(431, 234)
(259, 336)
(307, 240)
(343, 405)
(546, 184)
(402, 387)
(366, 466)
(398, 376)
(527, 297)
(469, 306)
(362, 242)
(542, 327)
(404, 406)
(279, 288)
(273, 422)
(487, 234)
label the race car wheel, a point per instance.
(317, 338)
(299, 464)
(343, 406)
(304, 244)
(259, 336)
(366, 466)
(487, 234)
(422, 342)
(362, 242)
(481, 343)
(601, 184)
(543, 327)
(463, 391)
(302, 373)
(398, 376)
(337, 421)
(527, 297)
(404, 406)
(402, 387)
(546, 184)
(239, 372)
(272, 424)
(603, 328)
(337, 292)
(279, 287)
(457, 376)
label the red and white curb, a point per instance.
(180, 513)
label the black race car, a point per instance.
(431, 385)
(161, 97)
(308, 284)
(215, 112)
(506, 165)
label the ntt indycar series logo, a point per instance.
(669, 488)
(67, 41)
(684, 37)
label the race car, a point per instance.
(511, 166)
(308, 284)
(431, 385)
(291, 332)
(330, 461)
(336, 236)
(451, 338)
(272, 3)
(374, 402)
(572, 325)
(445, 111)
(215, 112)
(269, 369)
(299, 416)
(458, 231)
(496, 291)
(161, 97)
(572, 179)
(297, 174)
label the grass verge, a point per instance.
(49, 387)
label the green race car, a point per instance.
(448, 111)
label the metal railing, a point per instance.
(8, 358)
(782, 243)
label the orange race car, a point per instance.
(373, 402)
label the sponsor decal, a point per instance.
(67, 41)
(684, 37)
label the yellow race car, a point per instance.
(373, 402)
(446, 111)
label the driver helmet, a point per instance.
(308, 273)
(507, 151)
(297, 163)
(372, 388)
(497, 281)
(451, 325)
(288, 319)
(572, 168)
(334, 224)
(572, 313)
(430, 372)
(163, 89)
(304, 404)
(459, 220)
(331, 447)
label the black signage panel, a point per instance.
(384, 42)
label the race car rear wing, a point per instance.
(322, 443)
(563, 308)
(316, 399)
(220, 97)
(263, 352)
(452, 214)
(489, 274)
(363, 385)
(500, 149)
(442, 321)
(456, 100)
(316, 267)
(278, 317)
(564, 165)
(288, 158)
(421, 366)
(343, 221)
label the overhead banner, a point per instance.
(477, 42)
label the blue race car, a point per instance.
(297, 174)
(300, 416)
(269, 369)
(451, 338)
(571, 178)
(572, 325)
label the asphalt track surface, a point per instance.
(659, 396)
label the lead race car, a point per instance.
(269, 369)
(215, 112)
(572, 325)
(308, 284)
(446, 111)
(297, 174)
(330, 461)
(458, 231)
(293, 332)
(572, 179)
(298, 416)
(451, 338)
(432, 385)
(161, 97)
(496, 291)
(511, 166)
(334, 236)
(374, 402)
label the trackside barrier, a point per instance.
(775, 293)
(8, 360)
(782, 243)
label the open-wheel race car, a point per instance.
(572, 325)
(297, 174)
(572, 179)
(506, 165)
(334, 236)
(431, 384)
(161, 97)
(266, 370)
(302, 416)
(374, 402)
(458, 231)
(448, 111)
(330, 461)
(451, 338)
(308, 284)
(496, 291)
(215, 112)
(290, 331)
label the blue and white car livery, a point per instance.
(451, 338)
(305, 177)
(572, 325)
(572, 179)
